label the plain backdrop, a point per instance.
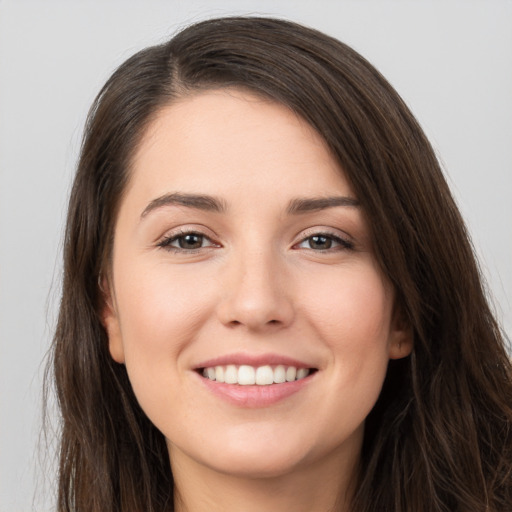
(450, 60)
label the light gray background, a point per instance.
(450, 60)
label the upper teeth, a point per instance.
(248, 375)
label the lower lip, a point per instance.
(255, 396)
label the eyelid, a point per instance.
(185, 229)
(344, 240)
(164, 242)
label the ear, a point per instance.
(110, 320)
(401, 336)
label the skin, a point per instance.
(257, 284)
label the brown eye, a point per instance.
(324, 242)
(190, 241)
(186, 242)
(320, 242)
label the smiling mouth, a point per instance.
(245, 375)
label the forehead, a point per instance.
(222, 140)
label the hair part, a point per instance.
(439, 437)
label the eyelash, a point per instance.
(343, 244)
(166, 243)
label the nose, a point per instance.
(255, 292)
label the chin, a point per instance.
(253, 455)
(258, 465)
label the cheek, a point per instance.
(354, 309)
(160, 313)
(353, 319)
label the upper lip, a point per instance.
(253, 360)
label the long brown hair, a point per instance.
(439, 437)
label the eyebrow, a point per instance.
(197, 201)
(212, 204)
(304, 205)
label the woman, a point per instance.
(269, 298)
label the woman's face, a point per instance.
(241, 258)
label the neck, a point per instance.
(314, 488)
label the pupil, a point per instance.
(191, 241)
(320, 242)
